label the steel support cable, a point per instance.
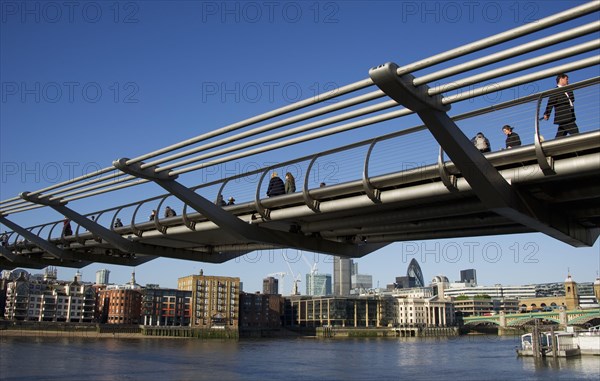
(579, 85)
(580, 64)
(509, 53)
(297, 140)
(437, 90)
(16, 201)
(395, 114)
(383, 117)
(353, 114)
(294, 119)
(259, 118)
(86, 186)
(465, 49)
(473, 79)
(546, 22)
(293, 131)
(476, 92)
(244, 123)
(509, 69)
(367, 121)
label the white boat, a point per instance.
(568, 343)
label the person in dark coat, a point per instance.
(67, 228)
(512, 138)
(276, 186)
(564, 108)
(169, 212)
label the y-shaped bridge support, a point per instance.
(492, 189)
(238, 228)
(148, 252)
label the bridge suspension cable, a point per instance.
(109, 179)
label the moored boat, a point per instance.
(567, 343)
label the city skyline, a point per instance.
(101, 274)
(136, 77)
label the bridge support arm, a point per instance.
(123, 244)
(39, 242)
(236, 227)
(488, 184)
(107, 235)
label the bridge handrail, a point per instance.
(473, 47)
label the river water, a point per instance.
(119, 359)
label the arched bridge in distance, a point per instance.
(424, 181)
(559, 316)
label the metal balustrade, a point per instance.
(461, 191)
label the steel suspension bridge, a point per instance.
(546, 185)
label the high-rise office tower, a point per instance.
(270, 286)
(342, 276)
(102, 276)
(318, 284)
(468, 276)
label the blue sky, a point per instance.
(86, 82)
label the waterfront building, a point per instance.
(215, 300)
(425, 312)
(121, 304)
(44, 298)
(570, 299)
(497, 291)
(260, 311)
(358, 311)
(166, 307)
(318, 284)
(342, 273)
(478, 305)
(270, 285)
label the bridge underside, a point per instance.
(411, 205)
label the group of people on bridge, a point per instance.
(563, 104)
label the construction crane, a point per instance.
(313, 267)
(295, 278)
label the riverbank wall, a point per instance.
(54, 329)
